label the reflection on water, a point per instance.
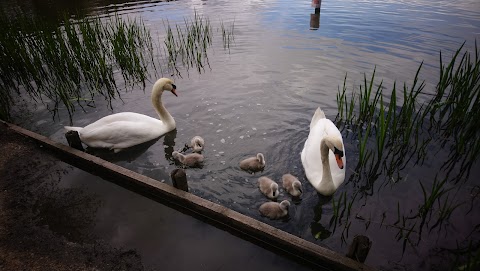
(55, 10)
(260, 98)
(315, 17)
(129, 154)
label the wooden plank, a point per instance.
(241, 225)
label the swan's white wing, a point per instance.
(122, 130)
(311, 158)
(123, 116)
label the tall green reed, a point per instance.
(388, 136)
(396, 130)
(187, 44)
(454, 110)
(69, 65)
(227, 35)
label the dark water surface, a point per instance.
(165, 238)
(260, 97)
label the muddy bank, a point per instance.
(43, 227)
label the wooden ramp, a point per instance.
(238, 224)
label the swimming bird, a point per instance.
(253, 164)
(190, 160)
(274, 210)
(197, 144)
(268, 187)
(292, 185)
(323, 155)
(122, 130)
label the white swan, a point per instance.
(268, 187)
(126, 129)
(274, 210)
(323, 155)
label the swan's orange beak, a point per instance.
(174, 90)
(339, 161)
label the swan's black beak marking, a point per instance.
(338, 157)
(337, 151)
(174, 90)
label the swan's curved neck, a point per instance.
(162, 112)
(327, 180)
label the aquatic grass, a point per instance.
(435, 195)
(227, 35)
(454, 111)
(59, 65)
(69, 65)
(130, 42)
(394, 130)
(188, 44)
(342, 210)
(387, 136)
(467, 258)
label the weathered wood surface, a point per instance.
(179, 179)
(243, 226)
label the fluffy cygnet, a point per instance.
(253, 164)
(275, 210)
(268, 187)
(191, 160)
(292, 185)
(197, 144)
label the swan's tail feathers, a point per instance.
(71, 128)
(319, 114)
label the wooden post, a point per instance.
(359, 248)
(73, 140)
(179, 179)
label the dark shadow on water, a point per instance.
(136, 151)
(322, 200)
(319, 231)
(296, 200)
(169, 144)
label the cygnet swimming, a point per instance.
(292, 185)
(253, 164)
(274, 210)
(268, 187)
(191, 159)
(197, 144)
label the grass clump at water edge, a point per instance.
(72, 63)
(396, 132)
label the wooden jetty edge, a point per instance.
(238, 224)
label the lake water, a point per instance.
(260, 95)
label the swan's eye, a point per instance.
(174, 87)
(337, 151)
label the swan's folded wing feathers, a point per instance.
(119, 134)
(319, 114)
